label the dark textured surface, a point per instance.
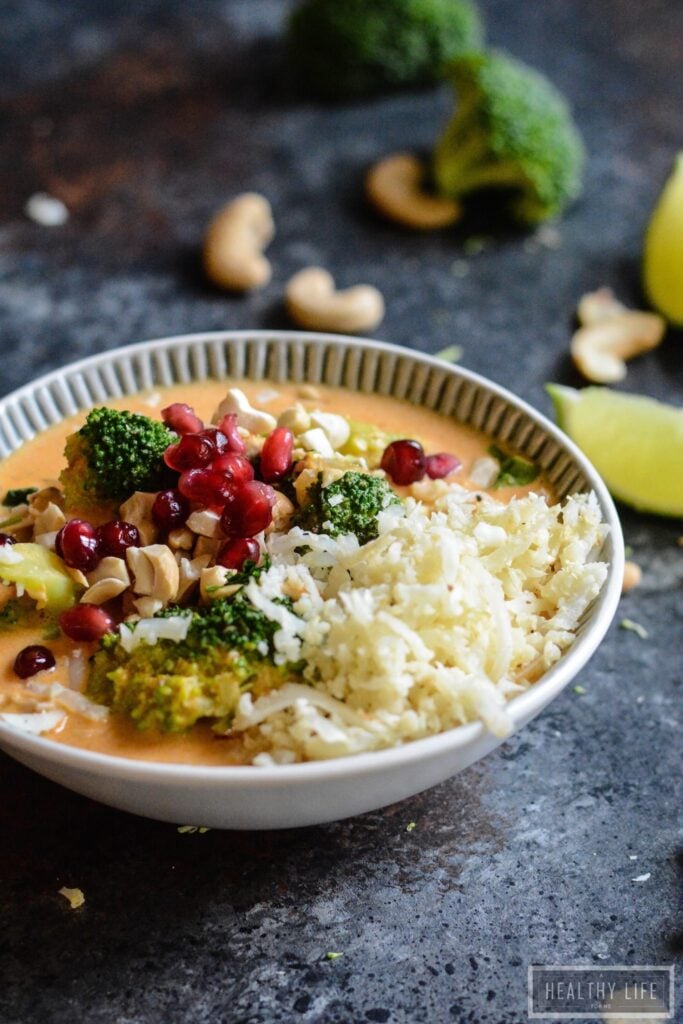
(143, 118)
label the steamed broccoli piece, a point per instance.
(169, 686)
(355, 48)
(511, 130)
(362, 496)
(114, 454)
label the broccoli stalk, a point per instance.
(114, 454)
(511, 130)
(350, 504)
(170, 686)
(355, 48)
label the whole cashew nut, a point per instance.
(313, 303)
(598, 306)
(394, 186)
(600, 351)
(234, 243)
(254, 420)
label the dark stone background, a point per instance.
(143, 117)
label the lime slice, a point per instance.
(635, 443)
(663, 255)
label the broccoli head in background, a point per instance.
(511, 130)
(114, 454)
(169, 686)
(350, 504)
(347, 49)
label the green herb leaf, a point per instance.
(451, 354)
(514, 470)
(634, 627)
(17, 496)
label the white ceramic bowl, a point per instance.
(305, 794)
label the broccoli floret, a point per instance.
(355, 48)
(350, 504)
(170, 686)
(511, 130)
(114, 454)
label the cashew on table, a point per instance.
(395, 187)
(234, 244)
(314, 303)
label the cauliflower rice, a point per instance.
(449, 613)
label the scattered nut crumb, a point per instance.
(75, 897)
(633, 574)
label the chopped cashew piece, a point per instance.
(600, 352)
(49, 519)
(314, 303)
(47, 540)
(156, 572)
(234, 243)
(107, 581)
(215, 583)
(632, 576)
(316, 440)
(336, 427)
(138, 511)
(205, 523)
(190, 571)
(595, 307)
(181, 539)
(50, 495)
(253, 420)
(484, 472)
(394, 186)
(147, 607)
(207, 546)
(283, 510)
(295, 418)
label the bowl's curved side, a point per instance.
(307, 793)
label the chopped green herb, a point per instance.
(411, 826)
(333, 956)
(579, 689)
(514, 470)
(191, 829)
(634, 627)
(451, 354)
(17, 496)
(628, 550)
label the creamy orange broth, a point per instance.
(41, 459)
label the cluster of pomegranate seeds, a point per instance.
(405, 463)
(170, 510)
(181, 419)
(207, 487)
(237, 553)
(77, 544)
(440, 465)
(249, 511)
(276, 454)
(32, 659)
(236, 468)
(86, 623)
(6, 539)
(115, 537)
(193, 451)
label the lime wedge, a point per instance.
(663, 254)
(635, 443)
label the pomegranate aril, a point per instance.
(6, 539)
(440, 465)
(170, 510)
(77, 544)
(235, 467)
(216, 438)
(181, 418)
(85, 623)
(33, 659)
(237, 553)
(193, 451)
(404, 461)
(250, 511)
(116, 537)
(276, 454)
(206, 487)
(228, 426)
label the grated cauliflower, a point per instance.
(437, 622)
